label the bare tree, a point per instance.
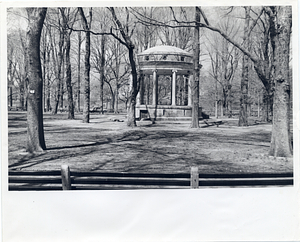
(17, 69)
(243, 116)
(46, 63)
(263, 50)
(281, 23)
(280, 20)
(35, 128)
(196, 72)
(57, 50)
(102, 66)
(146, 36)
(224, 59)
(66, 15)
(86, 26)
(78, 70)
(126, 35)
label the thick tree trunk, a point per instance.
(133, 92)
(196, 73)
(86, 105)
(243, 116)
(35, 128)
(280, 141)
(68, 73)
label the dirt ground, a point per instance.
(107, 144)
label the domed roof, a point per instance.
(165, 50)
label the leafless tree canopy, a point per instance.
(88, 58)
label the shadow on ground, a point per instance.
(104, 145)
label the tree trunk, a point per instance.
(134, 81)
(112, 100)
(22, 94)
(216, 109)
(10, 96)
(69, 78)
(48, 105)
(44, 79)
(78, 72)
(86, 105)
(243, 116)
(258, 106)
(35, 127)
(67, 34)
(265, 108)
(196, 73)
(62, 86)
(280, 19)
(280, 141)
(221, 109)
(117, 74)
(216, 96)
(229, 100)
(133, 93)
(58, 70)
(57, 97)
(102, 66)
(116, 104)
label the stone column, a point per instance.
(155, 87)
(138, 98)
(140, 95)
(186, 89)
(174, 87)
(142, 90)
(190, 91)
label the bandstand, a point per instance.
(173, 64)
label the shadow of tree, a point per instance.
(157, 147)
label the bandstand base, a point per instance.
(169, 112)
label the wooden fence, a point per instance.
(78, 180)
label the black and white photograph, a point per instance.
(162, 102)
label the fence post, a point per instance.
(65, 177)
(194, 177)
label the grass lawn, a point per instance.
(166, 146)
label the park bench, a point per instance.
(65, 179)
(212, 123)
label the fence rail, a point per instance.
(78, 180)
